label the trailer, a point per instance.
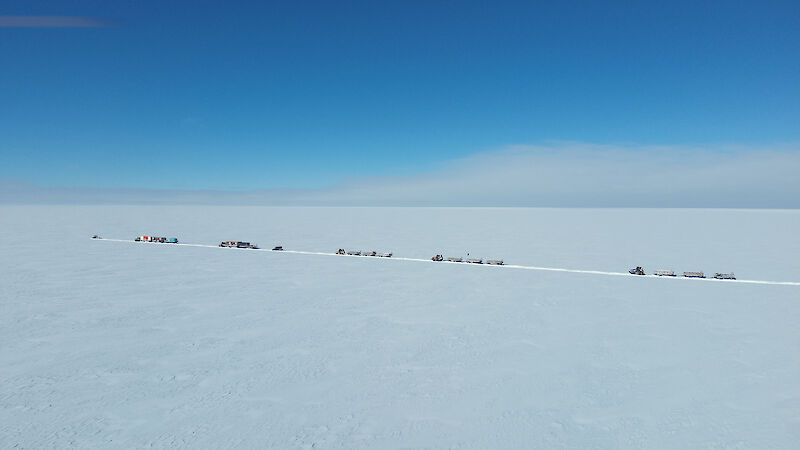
(474, 260)
(354, 253)
(384, 255)
(495, 262)
(455, 259)
(694, 274)
(237, 244)
(372, 253)
(725, 276)
(664, 273)
(151, 239)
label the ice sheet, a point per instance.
(121, 345)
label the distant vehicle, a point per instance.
(637, 271)
(496, 262)
(237, 244)
(474, 260)
(340, 251)
(664, 273)
(172, 241)
(455, 259)
(372, 253)
(384, 255)
(277, 248)
(96, 237)
(438, 258)
(725, 276)
(354, 253)
(694, 274)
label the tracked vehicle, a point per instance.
(637, 271)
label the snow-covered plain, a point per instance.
(130, 345)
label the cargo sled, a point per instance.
(694, 274)
(664, 273)
(372, 253)
(474, 260)
(277, 248)
(724, 276)
(455, 259)
(384, 255)
(237, 244)
(495, 262)
(150, 239)
(354, 253)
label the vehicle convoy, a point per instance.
(237, 244)
(725, 276)
(694, 274)
(158, 239)
(495, 262)
(438, 258)
(664, 273)
(637, 271)
(277, 248)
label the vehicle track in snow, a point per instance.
(504, 266)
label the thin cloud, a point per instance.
(561, 175)
(52, 22)
(585, 175)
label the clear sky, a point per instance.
(262, 95)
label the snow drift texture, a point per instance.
(132, 345)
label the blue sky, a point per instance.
(211, 95)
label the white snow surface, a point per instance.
(110, 344)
